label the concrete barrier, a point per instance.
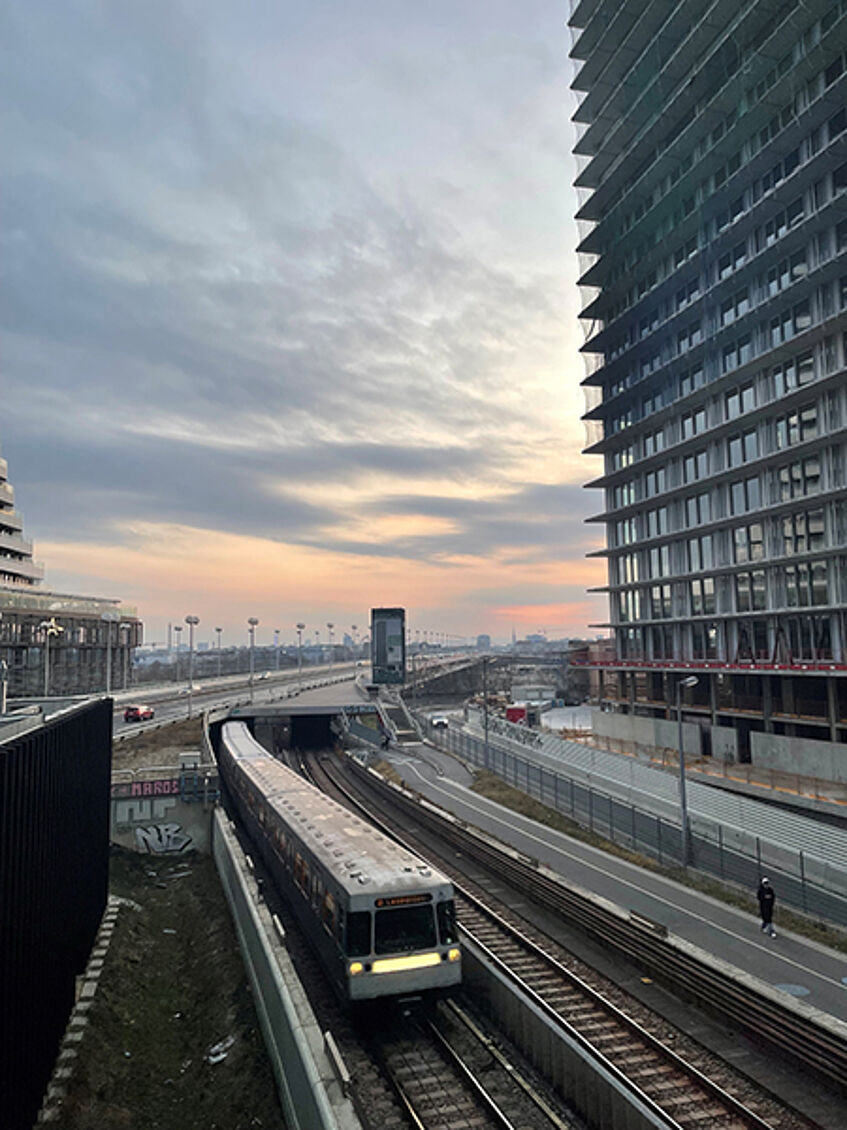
(595, 1090)
(311, 1083)
(165, 814)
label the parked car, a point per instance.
(440, 722)
(138, 713)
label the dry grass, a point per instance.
(486, 784)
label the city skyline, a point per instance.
(290, 314)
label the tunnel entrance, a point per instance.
(311, 731)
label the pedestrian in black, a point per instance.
(767, 898)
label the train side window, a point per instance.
(447, 931)
(301, 873)
(358, 933)
(328, 911)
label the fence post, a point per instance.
(720, 848)
(659, 836)
(803, 880)
(591, 808)
(759, 856)
(573, 800)
(634, 840)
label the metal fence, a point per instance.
(54, 873)
(629, 826)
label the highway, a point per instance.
(170, 701)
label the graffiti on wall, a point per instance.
(154, 834)
(160, 839)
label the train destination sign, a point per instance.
(402, 900)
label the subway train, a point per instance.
(382, 920)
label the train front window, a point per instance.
(404, 928)
(359, 933)
(447, 931)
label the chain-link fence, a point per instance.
(711, 849)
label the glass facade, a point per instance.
(713, 202)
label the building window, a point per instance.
(748, 543)
(798, 479)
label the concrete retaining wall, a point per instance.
(311, 1094)
(154, 815)
(658, 733)
(827, 760)
(597, 1094)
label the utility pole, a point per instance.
(486, 758)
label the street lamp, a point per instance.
(191, 621)
(486, 753)
(50, 628)
(219, 630)
(109, 618)
(276, 647)
(329, 628)
(252, 622)
(125, 630)
(691, 681)
(300, 628)
(178, 630)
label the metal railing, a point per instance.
(711, 849)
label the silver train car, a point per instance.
(382, 920)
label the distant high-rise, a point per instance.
(713, 176)
(16, 563)
(92, 637)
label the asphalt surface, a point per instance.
(789, 963)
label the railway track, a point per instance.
(443, 1082)
(678, 1092)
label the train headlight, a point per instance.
(355, 968)
(454, 955)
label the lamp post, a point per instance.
(691, 681)
(300, 628)
(485, 755)
(219, 630)
(276, 648)
(178, 630)
(191, 621)
(108, 619)
(329, 629)
(125, 630)
(252, 622)
(50, 628)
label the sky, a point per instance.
(288, 308)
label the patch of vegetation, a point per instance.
(173, 989)
(487, 785)
(161, 746)
(389, 773)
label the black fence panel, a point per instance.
(54, 874)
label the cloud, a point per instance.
(290, 275)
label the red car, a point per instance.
(137, 713)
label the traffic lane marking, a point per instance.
(823, 977)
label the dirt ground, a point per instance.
(157, 747)
(173, 1042)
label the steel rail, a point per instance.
(514, 1074)
(687, 1071)
(767, 1020)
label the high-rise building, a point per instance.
(55, 643)
(712, 151)
(16, 563)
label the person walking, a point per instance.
(767, 897)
